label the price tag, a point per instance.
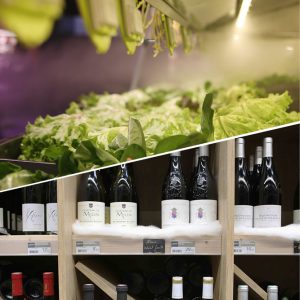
(296, 247)
(153, 246)
(39, 248)
(183, 247)
(244, 247)
(87, 247)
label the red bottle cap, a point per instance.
(17, 284)
(48, 278)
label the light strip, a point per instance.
(243, 13)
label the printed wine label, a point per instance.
(123, 214)
(175, 212)
(296, 216)
(33, 217)
(203, 211)
(1, 217)
(267, 216)
(243, 216)
(91, 212)
(52, 219)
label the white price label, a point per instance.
(181, 247)
(39, 248)
(244, 247)
(87, 247)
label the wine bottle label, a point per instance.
(91, 212)
(123, 214)
(107, 214)
(1, 217)
(243, 215)
(8, 219)
(19, 223)
(13, 222)
(52, 220)
(296, 216)
(175, 212)
(203, 211)
(267, 216)
(33, 217)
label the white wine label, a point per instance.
(87, 247)
(107, 214)
(296, 216)
(244, 247)
(182, 247)
(8, 219)
(1, 217)
(203, 211)
(33, 217)
(19, 223)
(39, 248)
(267, 216)
(123, 214)
(52, 219)
(243, 215)
(13, 222)
(175, 212)
(91, 212)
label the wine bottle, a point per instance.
(33, 210)
(243, 292)
(174, 206)
(158, 283)
(51, 208)
(91, 207)
(17, 286)
(48, 286)
(243, 211)
(268, 211)
(203, 191)
(272, 291)
(14, 199)
(5, 289)
(33, 289)
(19, 215)
(296, 212)
(135, 283)
(251, 165)
(121, 291)
(2, 215)
(255, 178)
(208, 288)
(8, 213)
(195, 165)
(88, 290)
(123, 206)
(177, 288)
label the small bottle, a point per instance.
(17, 286)
(208, 288)
(177, 287)
(272, 292)
(255, 177)
(122, 290)
(243, 292)
(51, 208)
(48, 286)
(88, 290)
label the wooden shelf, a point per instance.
(31, 245)
(210, 245)
(263, 245)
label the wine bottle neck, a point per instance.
(175, 164)
(203, 164)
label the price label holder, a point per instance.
(39, 248)
(183, 247)
(156, 246)
(87, 247)
(296, 247)
(244, 247)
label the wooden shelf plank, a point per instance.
(117, 246)
(17, 245)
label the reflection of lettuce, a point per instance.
(106, 129)
(12, 176)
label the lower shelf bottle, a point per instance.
(48, 286)
(122, 290)
(208, 288)
(17, 286)
(272, 292)
(88, 290)
(243, 292)
(33, 289)
(177, 288)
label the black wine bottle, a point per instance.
(91, 200)
(243, 214)
(123, 206)
(33, 210)
(88, 291)
(51, 208)
(177, 288)
(6, 289)
(17, 286)
(48, 286)
(33, 289)
(296, 210)
(8, 212)
(16, 196)
(268, 211)
(255, 177)
(2, 214)
(251, 166)
(203, 191)
(195, 165)
(243, 292)
(174, 206)
(121, 291)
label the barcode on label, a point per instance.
(39, 248)
(87, 247)
(183, 247)
(244, 247)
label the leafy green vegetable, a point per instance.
(133, 151)
(207, 127)
(135, 133)
(7, 168)
(171, 143)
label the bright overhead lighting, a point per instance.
(243, 13)
(289, 48)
